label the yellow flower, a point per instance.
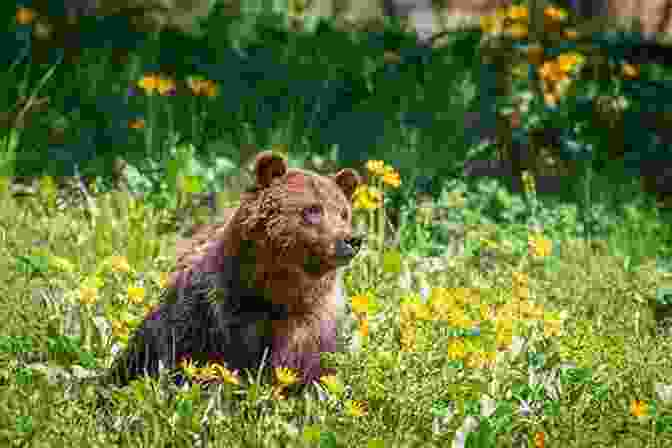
(630, 71)
(163, 279)
(567, 61)
(355, 408)
(225, 374)
(333, 384)
(360, 303)
(25, 16)
(136, 294)
(364, 327)
(539, 246)
(189, 368)
(638, 408)
(517, 30)
(376, 167)
(528, 181)
(456, 349)
(520, 278)
(285, 376)
(367, 198)
(119, 264)
(481, 359)
(571, 34)
(539, 440)
(392, 178)
(492, 23)
(153, 82)
(202, 87)
(62, 264)
(551, 71)
(118, 327)
(557, 14)
(137, 124)
(88, 295)
(517, 12)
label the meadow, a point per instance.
(476, 316)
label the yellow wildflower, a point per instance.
(392, 178)
(571, 34)
(456, 349)
(551, 71)
(360, 303)
(539, 246)
(517, 30)
(638, 408)
(154, 82)
(136, 294)
(556, 14)
(25, 16)
(481, 359)
(286, 376)
(202, 87)
(567, 61)
(518, 12)
(88, 295)
(376, 167)
(364, 327)
(355, 408)
(333, 384)
(189, 367)
(630, 71)
(539, 440)
(119, 264)
(137, 124)
(225, 374)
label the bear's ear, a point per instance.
(267, 167)
(348, 180)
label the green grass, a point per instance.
(420, 396)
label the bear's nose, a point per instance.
(347, 248)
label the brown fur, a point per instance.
(285, 254)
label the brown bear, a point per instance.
(267, 278)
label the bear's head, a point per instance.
(299, 218)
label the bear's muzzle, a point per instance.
(346, 249)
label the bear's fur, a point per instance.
(268, 277)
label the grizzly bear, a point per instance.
(266, 278)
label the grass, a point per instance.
(542, 339)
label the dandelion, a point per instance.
(119, 264)
(481, 359)
(333, 384)
(25, 16)
(88, 295)
(638, 408)
(367, 198)
(136, 294)
(355, 408)
(552, 324)
(539, 440)
(285, 376)
(162, 279)
(136, 124)
(118, 327)
(360, 303)
(492, 24)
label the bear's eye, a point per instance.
(344, 214)
(312, 214)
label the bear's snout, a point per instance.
(346, 249)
